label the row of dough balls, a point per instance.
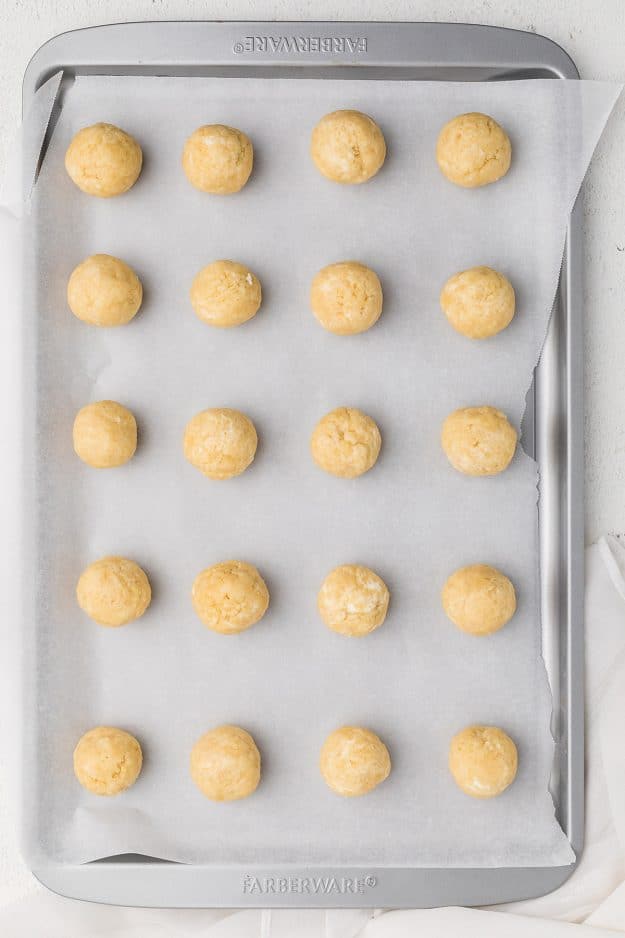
(222, 443)
(346, 146)
(231, 596)
(345, 297)
(225, 762)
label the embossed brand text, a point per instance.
(307, 885)
(336, 45)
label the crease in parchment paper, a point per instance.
(28, 150)
(413, 519)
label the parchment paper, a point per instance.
(417, 680)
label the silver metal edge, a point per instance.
(170, 46)
(575, 596)
(191, 45)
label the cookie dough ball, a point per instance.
(354, 761)
(346, 443)
(479, 599)
(347, 147)
(225, 764)
(225, 293)
(107, 760)
(483, 761)
(353, 600)
(229, 597)
(478, 441)
(473, 150)
(113, 591)
(103, 291)
(103, 160)
(105, 434)
(218, 159)
(220, 442)
(346, 298)
(478, 302)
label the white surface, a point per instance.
(595, 894)
(591, 31)
(284, 514)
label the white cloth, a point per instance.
(590, 905)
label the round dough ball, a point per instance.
(353, 600)
(225, 293)
(103, 160)
(107, 760)
(220, 442)
(478, 441)
(354, 761)
(346, 298)
(347, 147)
(478, 302)
(229, 597)
(483, 761)
(346, 442)
(225, 764)
(103, 291)
(473, 150)
(218, 159)
(113, 591)
(479, 599)
(105, 434)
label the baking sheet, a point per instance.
(413, 519)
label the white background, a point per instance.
(592, 31)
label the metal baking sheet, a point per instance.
(382, 887)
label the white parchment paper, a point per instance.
(417, 680)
